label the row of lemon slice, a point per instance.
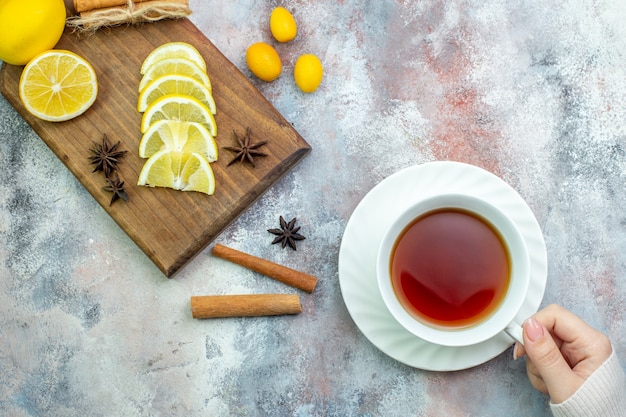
(178, 126)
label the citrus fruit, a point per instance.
(308, 72)
(189, 137)
(173, 50)
(263, 61)
(181, 108)
(197, 175)
(58, 85)
(29, 27)
(178, 126)
(283, 25)
(179, 66)
(175, 84)
(178, 170)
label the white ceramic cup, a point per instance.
(502, 318)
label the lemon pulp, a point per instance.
(58, 85)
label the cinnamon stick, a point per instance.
(273, 270)
(86, 5)
(214, 306)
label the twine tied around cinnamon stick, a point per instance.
(95, 14)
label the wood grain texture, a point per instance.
(171, 227)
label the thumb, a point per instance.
(546, 357)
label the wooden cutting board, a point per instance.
(170, 226)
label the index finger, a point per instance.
(564, 324)
(576, 339)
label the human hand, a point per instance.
(562, 351)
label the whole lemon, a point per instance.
(29, 27)
(308, 72)
(263, 61)
(283, 25)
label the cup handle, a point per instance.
(515, 331)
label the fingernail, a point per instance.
(515, 354)
(533, 329)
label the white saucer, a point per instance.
(365, 229)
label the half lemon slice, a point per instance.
(180, 108)
(175, 84)
(179, 171)
(173, 135)
(173, 50)
(180, 66)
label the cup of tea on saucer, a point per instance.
(454, 270)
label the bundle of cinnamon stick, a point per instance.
(94, 14)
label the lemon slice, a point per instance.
(172, 66)
(58, 85)
(173, 50)
(161, 170)
(178, 170)
(188, 137)
(175, 84)
(180, 108)
(197, 175)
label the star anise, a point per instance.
(105, 156)
(245, 150)
(116, 186)
(287, 234)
